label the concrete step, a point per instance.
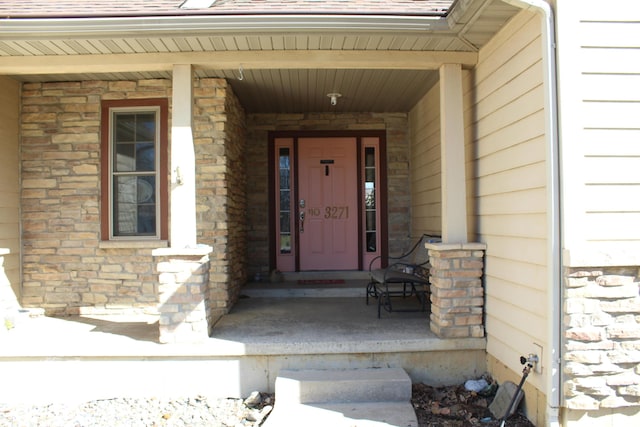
(346, 385)
(349, 289)
(375, 414)
(343, 398)
(326, 275)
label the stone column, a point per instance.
(183, 279)
(457, 295)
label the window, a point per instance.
(284, 163)
(370, 208)
(134, 169)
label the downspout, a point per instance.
(554, 275)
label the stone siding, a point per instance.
(220, 144)
(183, 282)
(457, 295)
(66, 267)
(602, 338)
(398, 159)
(65, 270)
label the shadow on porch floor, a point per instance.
(255, 325)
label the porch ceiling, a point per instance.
(275, 63)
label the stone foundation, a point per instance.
(457, 295)
(602, 338)
(183, 279)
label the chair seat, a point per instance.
(396, 276)
(407, 276)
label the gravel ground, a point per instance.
(194, 411)
(435, 407)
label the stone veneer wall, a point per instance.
(398, 158)
(66, 268)
(602, 338)
(457, 295)
(220, 144)
(183, 280)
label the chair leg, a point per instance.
(371, 291)
(382, 297)
(384, 301)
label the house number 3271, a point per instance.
(330, 212)
(336, 212)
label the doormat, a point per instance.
(321, 282)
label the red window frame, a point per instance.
(162, 221)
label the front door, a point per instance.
(328, 204)
(328, 200)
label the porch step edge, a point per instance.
(343, 386)
(315, 292)
(368, 414)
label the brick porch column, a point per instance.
(183, 280)
(457, 296)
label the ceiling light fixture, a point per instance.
(334, 97)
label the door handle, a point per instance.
(302, 222)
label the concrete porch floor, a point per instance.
(325, 328)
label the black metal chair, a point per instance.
(406, 276)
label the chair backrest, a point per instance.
(420, 254)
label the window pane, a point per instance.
(369, 197)
(284, 178)
(125, 127)
(146, 189)
(146, 220)
(285, 243)
(285, 200)
(134, 210)
(145, 157)
(125, 158)
(370, 157)
(371, 242)
(145, 127)
(371, 221)
(285, 222)
(125, 206)
(370, 175)
(284, 158)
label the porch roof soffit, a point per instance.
(373, 28)
(373, 54)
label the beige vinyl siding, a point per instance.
(599, 58)
(426, 198)
(506, 132)
(611, 106)
(9, 181)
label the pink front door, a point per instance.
(328, 203)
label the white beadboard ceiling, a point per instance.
(288, 88)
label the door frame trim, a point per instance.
(358, 134)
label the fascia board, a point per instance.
(16, 29)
